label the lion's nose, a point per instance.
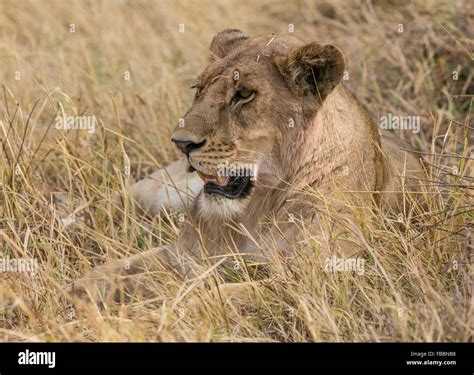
(187, 146)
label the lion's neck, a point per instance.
(338, 148)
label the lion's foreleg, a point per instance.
(133, 275)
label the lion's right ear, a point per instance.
(224, 42)
(312, 69)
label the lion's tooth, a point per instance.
(222, 180)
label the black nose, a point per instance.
(187, 146)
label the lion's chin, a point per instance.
(219, 207)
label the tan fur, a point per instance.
(303, 129)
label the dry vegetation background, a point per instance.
(417, 284)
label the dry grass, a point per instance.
(411, 289)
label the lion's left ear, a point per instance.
(312, 69)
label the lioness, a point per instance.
(270, 121)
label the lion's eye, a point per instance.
(242, 96)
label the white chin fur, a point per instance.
(217, 206)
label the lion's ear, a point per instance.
(224, 42)
(314, 68)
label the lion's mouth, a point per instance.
(228, 187)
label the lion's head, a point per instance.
(249, 118)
